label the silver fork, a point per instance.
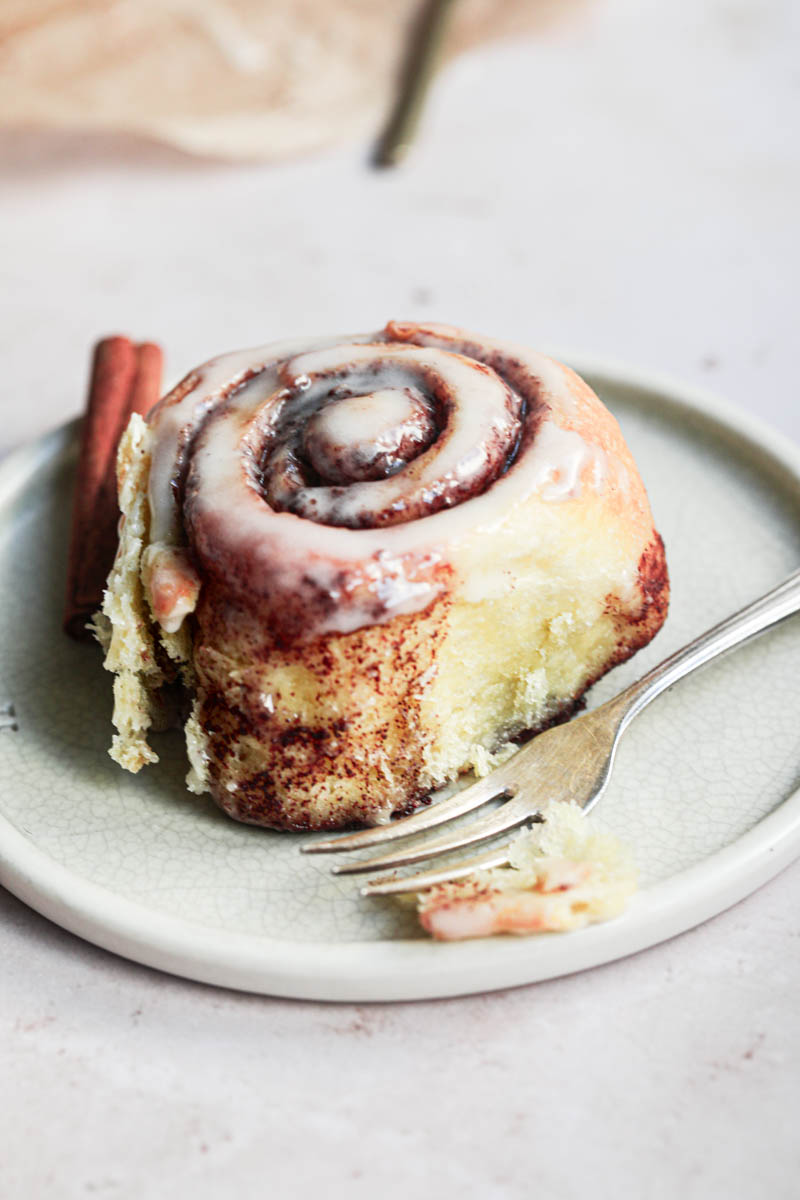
(568, 762)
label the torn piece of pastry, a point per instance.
(561, 876)
(374, 563)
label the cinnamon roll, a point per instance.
(372, 563)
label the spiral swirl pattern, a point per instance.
(395, 442)
(376, 435)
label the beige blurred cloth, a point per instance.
(234, 78)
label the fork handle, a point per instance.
(781, 602)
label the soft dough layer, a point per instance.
(375, 564)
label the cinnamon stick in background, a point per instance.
(125, 379)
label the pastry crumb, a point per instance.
(562, 876)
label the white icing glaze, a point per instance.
(560, 460)
(480, 417)
(367, 574)
(348, 438)
(368, 420)
(173, 421)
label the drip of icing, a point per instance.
(173, 585)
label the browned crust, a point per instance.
(367, 685)
(639, 625)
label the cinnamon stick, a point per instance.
(125, 379)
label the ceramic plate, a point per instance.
(705, 786)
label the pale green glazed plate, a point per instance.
(705, 786)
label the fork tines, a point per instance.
(428, 818)
(513, 813)
(508, 816)
(392, 885)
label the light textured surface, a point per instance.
(636, 196)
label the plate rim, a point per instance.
(412, 969)
(399, 969)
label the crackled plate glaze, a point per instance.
(705, 785)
